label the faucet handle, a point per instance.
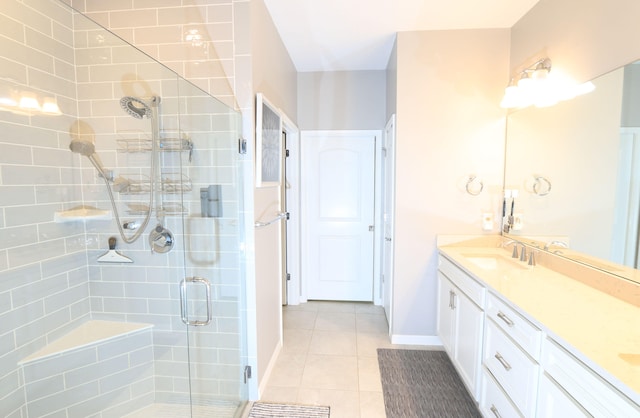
(514, 254)
(532, 258)
(523, 253)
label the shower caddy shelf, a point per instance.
(171, 183)
(179, 143)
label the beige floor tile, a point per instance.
(344, 307)
(299, 319)
(343, 404)
(369, 374)
(372, 405)
(288, 370)
(296, 340)
(308, 306)
(330, 372)
(369, 308)
(368, 344)
(333, 342)
(336, 321)
(371, 324)
(280, 394)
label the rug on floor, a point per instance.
(277, 410)
(424, 384)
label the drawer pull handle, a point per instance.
(505, 318)
(495, 411)
(502, 361)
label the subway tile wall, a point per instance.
(195, 38)
(49, 277)
(44, 288)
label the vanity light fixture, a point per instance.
(535, 85)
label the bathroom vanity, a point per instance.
(551, 340)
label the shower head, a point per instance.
(82, 145)
(137, 107)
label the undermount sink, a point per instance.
(493, 262)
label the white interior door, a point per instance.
(388, 205)
(338, 169)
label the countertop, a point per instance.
(599, 329)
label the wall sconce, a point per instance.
(536, 85)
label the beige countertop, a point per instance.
(601, 330)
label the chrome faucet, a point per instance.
(556, 243)
(515, 243)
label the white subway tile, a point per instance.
(110, 72)
(26, 15)
(16, 236)
(11, 29)
(133, 18)
(93, 56)
(101, 6)
(35, 252)
(45, 387)
(181, 15)
(27, 215)
(61, 400)
(45, 43)
(64, 298)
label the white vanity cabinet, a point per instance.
(584, 392)
(517, 362)
(460, 321)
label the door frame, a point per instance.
(388, 167)
(291, 242)
(298, 282)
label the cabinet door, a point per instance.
(554, 402)
(445, 313)
(468, 336)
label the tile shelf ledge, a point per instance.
(81, 213)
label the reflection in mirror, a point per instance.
(576, 169)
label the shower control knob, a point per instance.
(133, 225)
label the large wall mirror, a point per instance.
(576, 169)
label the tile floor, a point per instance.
(329, 358)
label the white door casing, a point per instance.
(388, 207)
(338, 178)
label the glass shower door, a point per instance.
(212, 290)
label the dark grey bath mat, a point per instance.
(422, 384)
(277, 410)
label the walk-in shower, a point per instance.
(162, 335)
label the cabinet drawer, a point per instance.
(512, 368)
(592, 392)
(493, 402)
(523, 332)
(474, 290)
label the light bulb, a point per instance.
(29, 102)
(50, 106)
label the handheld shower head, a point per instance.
(82, 146)
(137, 107)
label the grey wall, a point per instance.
(449, 125)
(631, 97)
(274, 75)
(342, 100)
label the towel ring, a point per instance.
(474, 185)
(541, 186)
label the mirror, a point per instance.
(576, 169)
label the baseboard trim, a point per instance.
(431, 340)
(262, 385)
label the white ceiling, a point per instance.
(347, 35)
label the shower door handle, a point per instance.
(184, 311)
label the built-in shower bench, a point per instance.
(97, 366)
